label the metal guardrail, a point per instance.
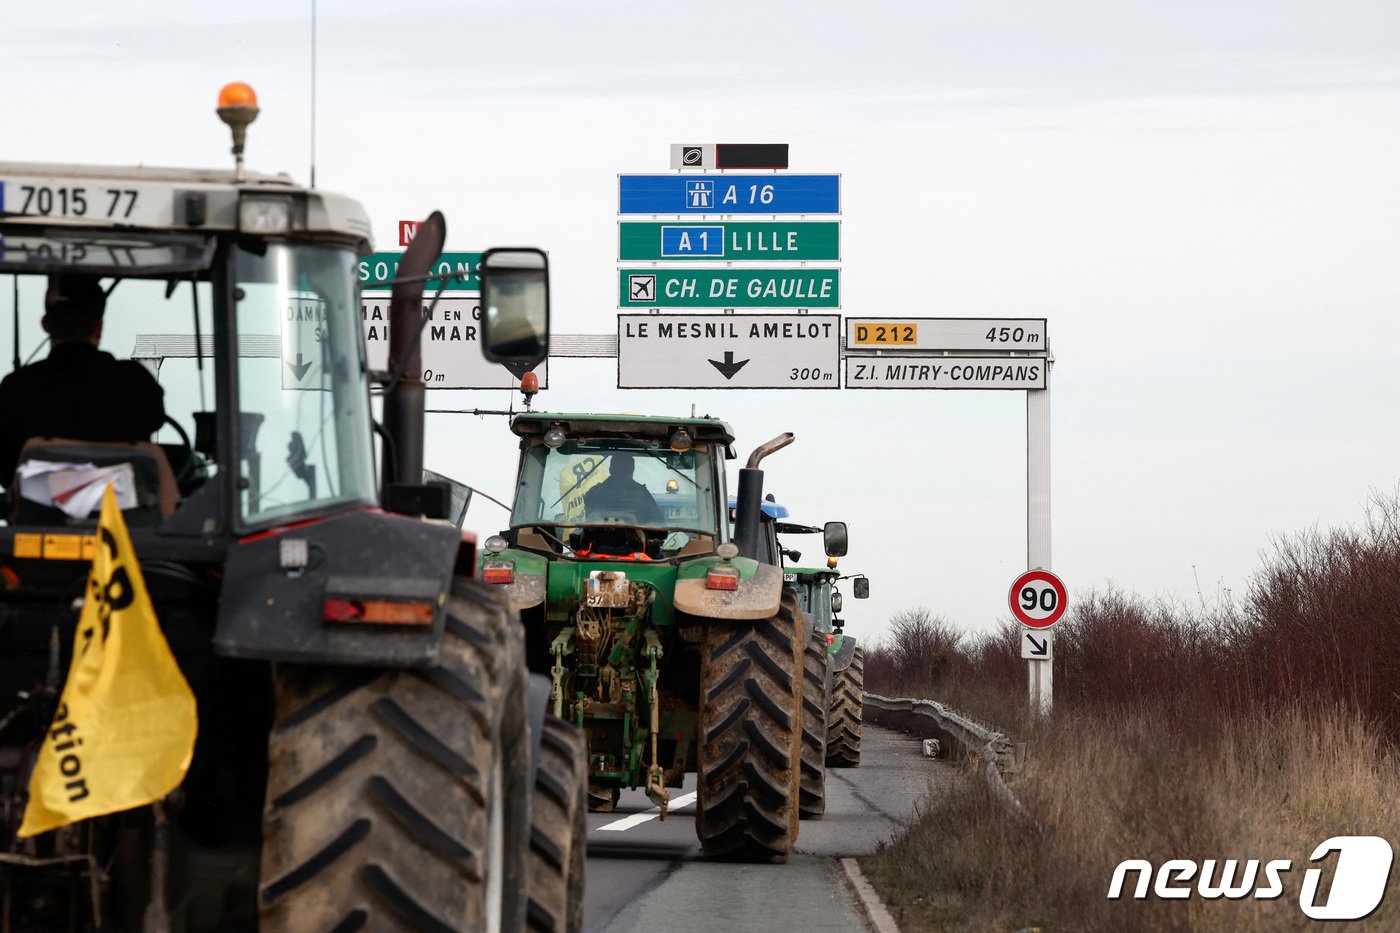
(968, 738)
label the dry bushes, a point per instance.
(1251, 729)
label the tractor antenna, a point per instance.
(15, 278)
(313, 93)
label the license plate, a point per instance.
(91, 200)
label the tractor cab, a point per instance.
(241, 299)
(768, 551)
(597, 486)
(813, 586)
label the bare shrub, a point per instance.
(915, 653)
(1251, 729)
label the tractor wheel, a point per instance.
(603, 799)
(397, 799)
(815, 661)
(750, 736)
(558, 830)
(847, 697)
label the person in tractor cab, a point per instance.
(620, 495)
(79, 392)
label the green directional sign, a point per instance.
(377, 269)
(729, 288)
(734, 241)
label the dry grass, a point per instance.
(1249, 729)
(1104, 789)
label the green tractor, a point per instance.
(818, 596)
(675, 648)
(848, 685)
(811, 587)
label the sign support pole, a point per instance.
(1040, 674)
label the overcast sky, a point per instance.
(1202, 199)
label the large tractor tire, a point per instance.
(847, 699)
(398, 799)
(558, 830)
(815, 686)
(750, 736)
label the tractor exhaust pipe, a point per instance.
(404, 396)
(748, 507)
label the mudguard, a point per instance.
(758, 596)
(842, 658)
(275, 613)
(528, 588)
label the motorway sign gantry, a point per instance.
(728, 351)
(729, 288)
(945, 372)
(1038, 599)
(729, 194)
(451, 345)
(377, 269)
(872, 334)
(734, 241)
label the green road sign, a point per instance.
(378, 268)
(729, 288)
(734, 241)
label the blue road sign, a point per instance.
(729, 194)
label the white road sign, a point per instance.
(303, 329)
(1038, 599)
(877, 334)
(728, 351)
(1038, 644)
(945, 372)
(692, 156)
(451, 345)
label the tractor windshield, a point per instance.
(303, 399)
(634, 483)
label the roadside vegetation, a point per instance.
(1250, 726)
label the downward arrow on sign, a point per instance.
(728, 368)
(299, 368)
(1041, 648)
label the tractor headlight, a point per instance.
(265, 215)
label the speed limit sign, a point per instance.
(1038, 599)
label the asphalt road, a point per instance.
(649, 875)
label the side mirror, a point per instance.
(835, 603)
(834, 539)
(514, 305)
(862, 587)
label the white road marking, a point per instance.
(637, 819)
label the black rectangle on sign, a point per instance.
(751, 155)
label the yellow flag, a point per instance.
(579, 477)
(124, 730)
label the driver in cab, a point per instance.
(79, 392)
(620, 495)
